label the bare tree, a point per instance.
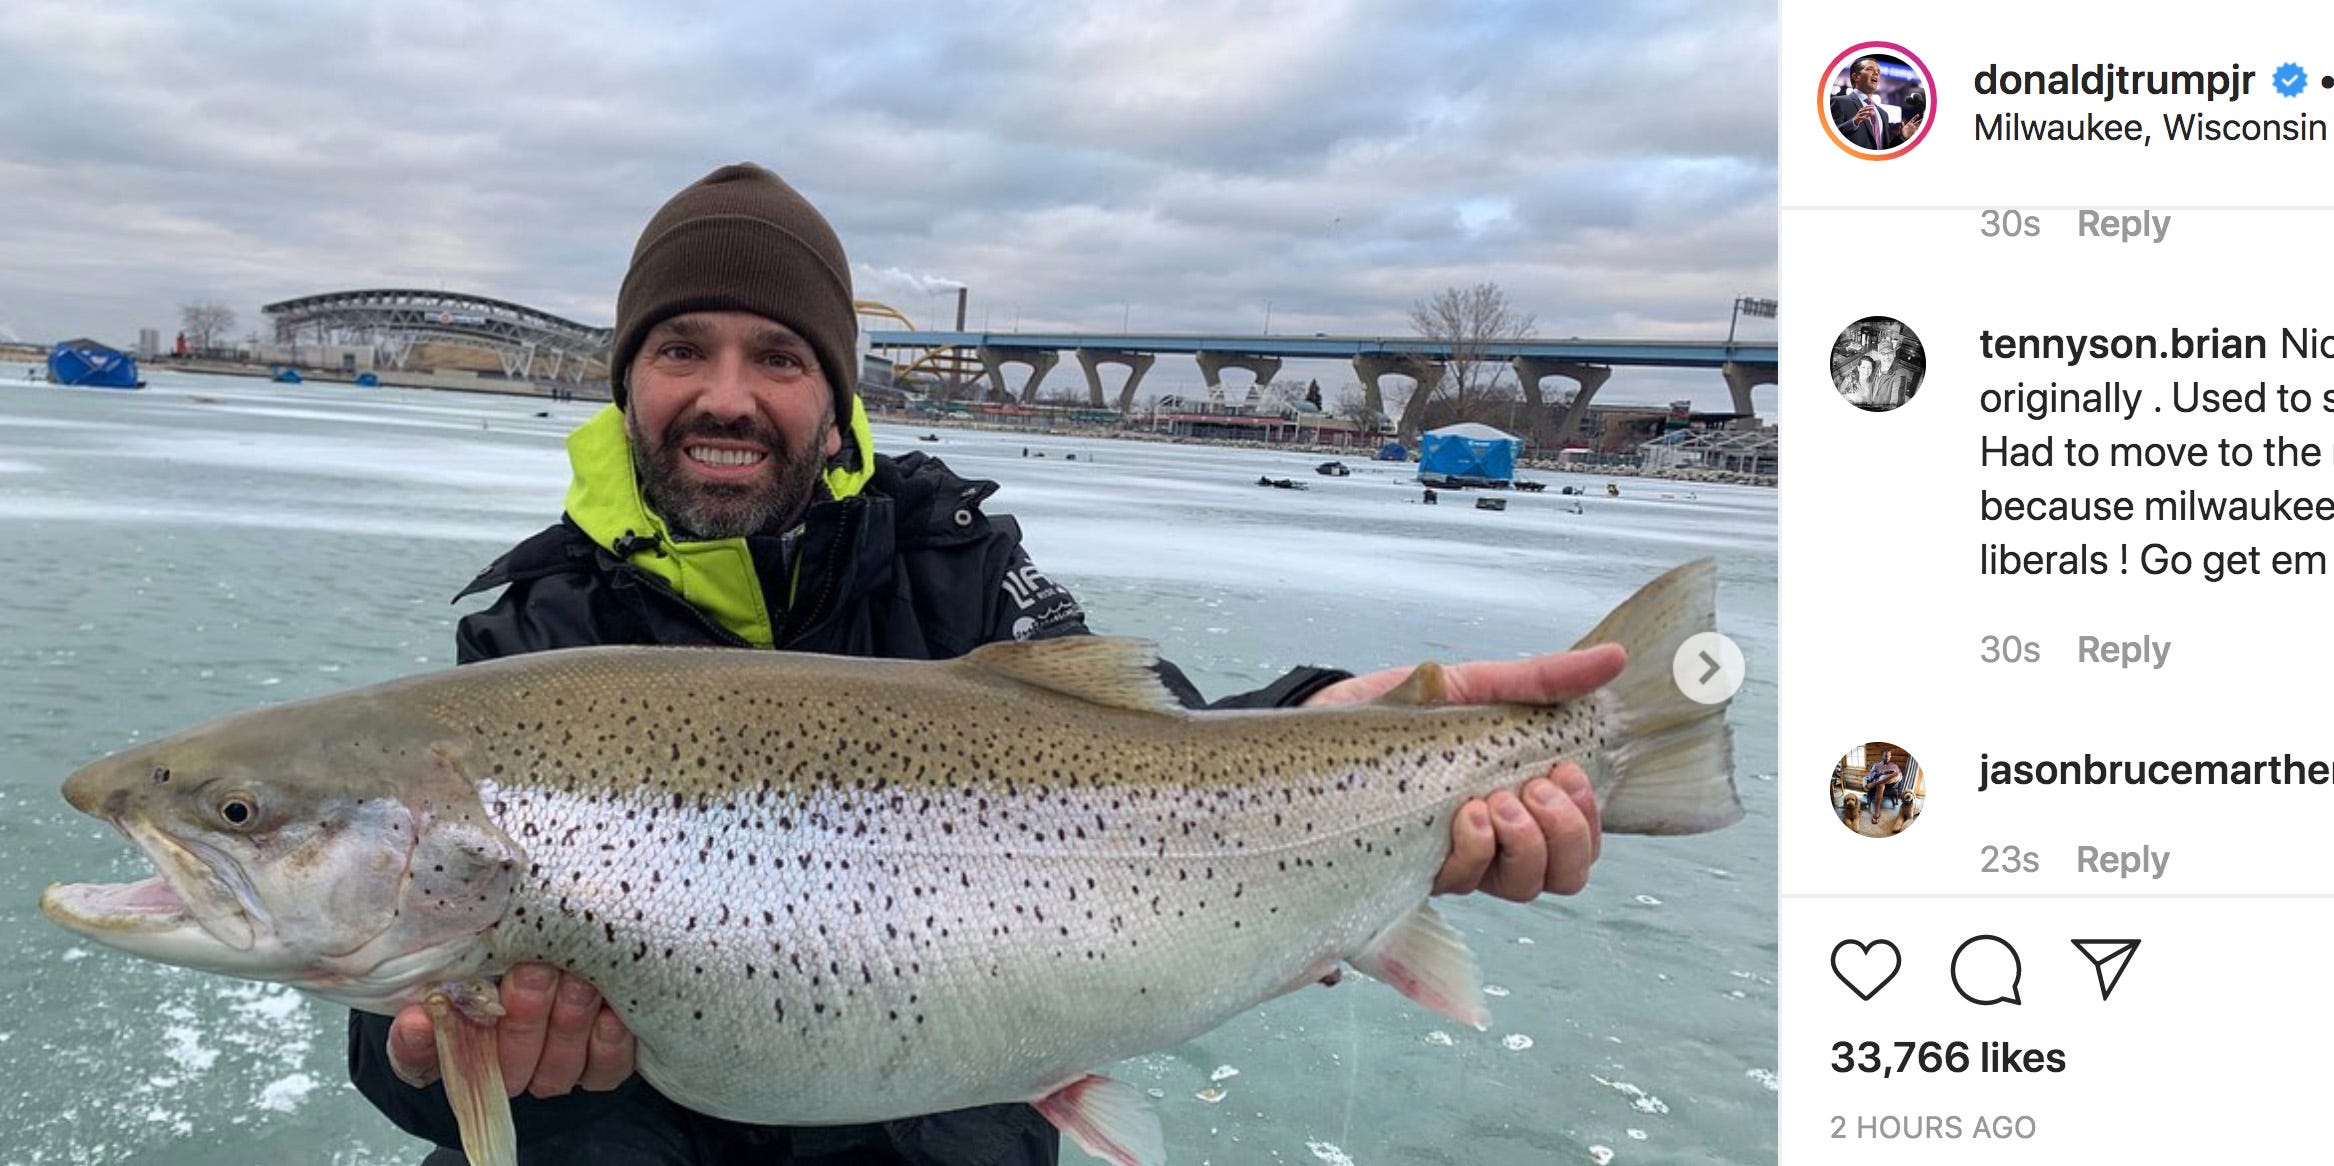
(1475, 323)
(1353, 407)
(205, 322)
(1285, 394)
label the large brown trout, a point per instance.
(830, 890)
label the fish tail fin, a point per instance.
(1671, 767)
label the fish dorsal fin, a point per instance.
(1114, 671)
(1424, 686)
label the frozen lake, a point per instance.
(212, 544)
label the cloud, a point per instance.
(1171, 164)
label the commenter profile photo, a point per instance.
(1877, 100)
(1878, 363)
(1877, 789)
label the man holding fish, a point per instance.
(738, 445)
(832, 890)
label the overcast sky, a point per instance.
(1178, 166)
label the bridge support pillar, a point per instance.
(1742, 378)
(1092, 360)
(1531, 370)
(1213, 364)
(1427, 374)
(994, 359)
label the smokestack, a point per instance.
(960, 294)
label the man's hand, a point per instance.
(554, 1036)
(1515, 847)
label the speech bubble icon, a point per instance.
(1986, 970)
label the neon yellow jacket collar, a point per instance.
(717, 577)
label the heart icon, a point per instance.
(1866, 966)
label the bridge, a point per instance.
(1587, 363)
(395, 319)
(523, 338)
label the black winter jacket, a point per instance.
(908, 568)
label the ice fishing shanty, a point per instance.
(92, 365)
(1467, 454)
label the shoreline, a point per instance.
(1341, 452)
(533, 390)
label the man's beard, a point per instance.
(697, 510)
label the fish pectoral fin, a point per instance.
(1107, 1118)
(1114, 671)
(1427, 961)
(463, 1017)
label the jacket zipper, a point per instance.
(799, 617)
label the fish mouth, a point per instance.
(142, 907)
(190, 913)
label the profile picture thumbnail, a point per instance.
(1877, 100)
(1878, 363)
(1877, 789)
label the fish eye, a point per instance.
(239, 809)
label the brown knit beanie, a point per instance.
(740, 239)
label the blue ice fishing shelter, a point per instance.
(1467, 454)
(1393, 451)
(93, 365)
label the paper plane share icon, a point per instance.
(2109, 957)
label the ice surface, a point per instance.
(209, 534)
